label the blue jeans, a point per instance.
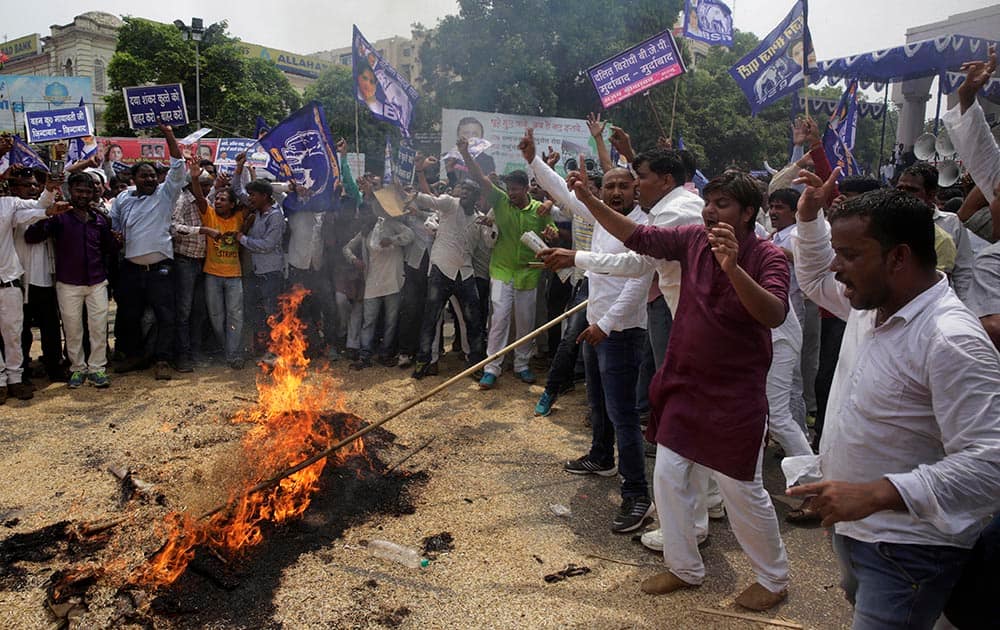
(897, 586)
(612, 370)
(389, 306)
(190, 294)
(224, 298)
(439, 288)
(563, 366)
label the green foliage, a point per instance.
(234, 88)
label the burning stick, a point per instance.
(276, 479)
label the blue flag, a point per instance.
(838, 139)
(22, 155)
(301, 150)
(708, 21)
(262, 127)
(81, 148)
(777, 66)
(380, 87)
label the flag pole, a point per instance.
(656, 115)
(673, 108)
(885, 114)
(357, 142)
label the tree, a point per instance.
(235, 89)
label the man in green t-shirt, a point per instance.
(513, 283)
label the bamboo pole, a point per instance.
(273, 481)
(673, 108)
(764, 620)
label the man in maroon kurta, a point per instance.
(709, 403)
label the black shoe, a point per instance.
(131, 365)
(387, 361)
(586, 466)
(20, 391)
(432, 369)
(634, 514)
(361, 364)
(419, 370)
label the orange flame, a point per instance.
(287, 427)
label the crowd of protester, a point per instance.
(855, 318)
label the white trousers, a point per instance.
(11, 323)
(505, 299)
(780, 390)
(751, 517)
(72, 298)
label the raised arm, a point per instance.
(813, 252)
(596, 127)
(549, 180)
(969, 131)
(622, 143)
(470, 163)
(199, 196)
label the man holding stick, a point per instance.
(612, 344)
(709, 406)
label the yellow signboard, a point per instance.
(26, 46)
(292, 63)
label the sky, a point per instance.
(839, 28)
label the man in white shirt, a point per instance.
(16, 212)
(613, 343)
(910, 454)
(378, 250)
(450, 271)
(660, 187)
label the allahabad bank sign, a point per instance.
(285, 61)
(21, 47)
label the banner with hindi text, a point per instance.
(637, 69)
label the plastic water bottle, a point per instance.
(406, 556)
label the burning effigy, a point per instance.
(299, 413)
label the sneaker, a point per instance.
(361, 364)
(98, 379)
(76, 380)
(653, 539)
(717, 512)
(544, 405)
(404, 361)
(419, 370)
(162, 371)
(20, 391)
(586, 466)
(634, 513)
(488, 381)
(526, 375)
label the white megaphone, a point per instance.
(945, 149)
(923, 147)
(948, 173)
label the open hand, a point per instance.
(977, 73)
(817, 194)
(595, 124)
